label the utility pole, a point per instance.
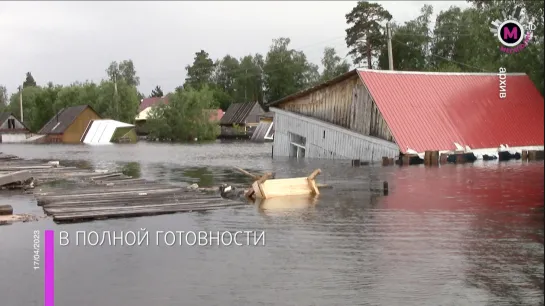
(21, 101)
(115, 84)
(115, 96)
(390, 56)
(245, 86)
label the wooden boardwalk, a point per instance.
(89, 195)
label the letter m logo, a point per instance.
(507, 33)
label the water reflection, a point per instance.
(83, 164)
(289, 203)
(485, 221)
(200, 175)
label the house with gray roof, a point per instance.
(240, 120)
(69, 124)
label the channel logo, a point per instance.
(513, 33)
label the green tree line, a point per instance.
(459, 41)
(114, 97)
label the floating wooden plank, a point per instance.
(253, 176)
(9, 219)
(15, 177)
(127, 202)
(113, 197)
(122, 182)
(6, 210)
(103, 190)
(117, 207)
(25, 168)
(51, 169)
(130, 212)
(119, 194)
(99, 177)
(8, 157)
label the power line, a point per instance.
(299, 49)
(431, 36)
(243, 71)
(444, 58)
(240, 70)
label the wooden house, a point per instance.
(69, 124)
(240, 120)
(12, 130)
(370, 114)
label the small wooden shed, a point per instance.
(241, 119)
(69, 124)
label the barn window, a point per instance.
(297, 145)
(11, 123)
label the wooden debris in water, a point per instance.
(9, 219)
(6, 210)
(84, 194)
(252, 176)
(15, 178)
(270, 175)
(117, 199)
(270, 188)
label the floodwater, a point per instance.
(455, 235)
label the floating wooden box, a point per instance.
(266, 189)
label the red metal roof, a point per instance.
(431, 111)
(147, 102)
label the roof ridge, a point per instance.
(83, 107)
(50, 120)
(75, 111)
(439, 73)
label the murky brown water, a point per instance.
(459, 235)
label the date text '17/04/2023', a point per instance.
(36, 257)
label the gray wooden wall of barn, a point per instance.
(346, 104)
(338, 143)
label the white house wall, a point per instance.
(13, 138)
(338, 143)
(143, 115)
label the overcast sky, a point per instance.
(65, 42)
